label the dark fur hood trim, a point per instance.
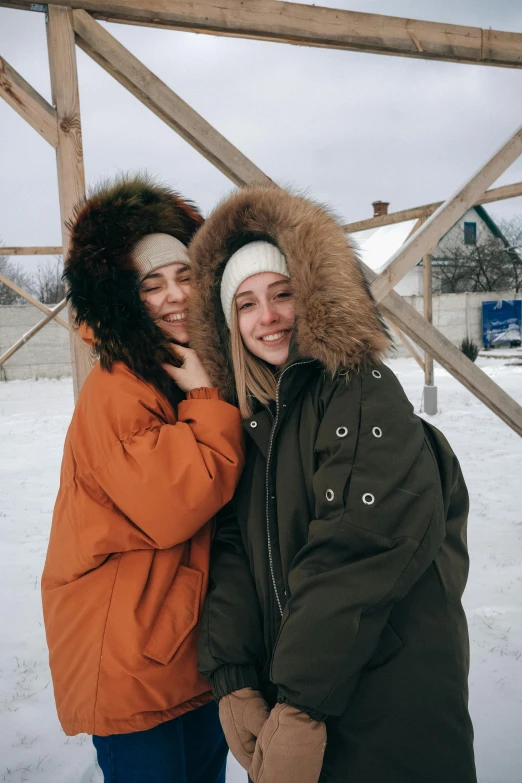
(338, 322)
(103, 287)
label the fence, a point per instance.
(48, 355)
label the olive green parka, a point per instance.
(336, 579)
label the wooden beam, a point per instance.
(398, 311)
(160, 99)
(312, 25)
(31, 251)
(408, 345)
(28, 103)
(427, 281)
(34, 330)
(21, 292)
(405, 317)
(494, 194)
(418, 224)
(426, 238)
(69, 153)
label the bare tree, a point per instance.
(512, 230)
(490, 265)
(16, 275)
(47, 282)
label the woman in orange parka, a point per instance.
(151, 455)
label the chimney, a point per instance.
(380, 208)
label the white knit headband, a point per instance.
(156, 250)
(251, 259)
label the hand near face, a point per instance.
(191, 374)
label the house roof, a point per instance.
(377, 245)
(490, 223)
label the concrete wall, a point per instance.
(458, 315)
(46, 355)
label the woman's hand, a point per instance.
(290, 748)
(191, 374)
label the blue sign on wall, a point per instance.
(502, 322)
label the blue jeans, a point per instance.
(188, 749)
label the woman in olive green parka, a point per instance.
(336, 585)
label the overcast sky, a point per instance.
(349, 128)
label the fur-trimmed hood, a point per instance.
(338, 322)
(103, 286)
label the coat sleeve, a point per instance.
(379, 521)
(231, 645)
(168, 480)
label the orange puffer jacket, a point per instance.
(127, 566)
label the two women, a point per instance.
(152, 453)
(334, 635)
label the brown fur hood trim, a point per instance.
(103, 286)
(338, 322)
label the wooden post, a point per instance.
(69, 152)
(430, 390)
(428, 312)
(407, 319)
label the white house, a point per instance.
(378, 245)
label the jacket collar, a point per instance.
(293, 379)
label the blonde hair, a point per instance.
(254, 378)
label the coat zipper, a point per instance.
(270, 444)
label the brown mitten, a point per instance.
(290, 748)
(242, 715)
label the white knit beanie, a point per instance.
(251, 259)
(156, 250)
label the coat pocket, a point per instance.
(177, 617)
(389, 645)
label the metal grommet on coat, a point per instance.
(376, 374)
(341, 432)
(330, 494)
(368, 498)
(377, 432)
(253, 424)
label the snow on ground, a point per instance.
(33, 420)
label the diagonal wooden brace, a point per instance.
(160, 99)
(21, 292)
(426, 238)
(31, 333)
(412, 323)
(28, 103)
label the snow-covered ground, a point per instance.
(33, 420)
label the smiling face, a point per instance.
(165, 293)
(266, 316)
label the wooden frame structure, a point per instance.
(71, 22)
